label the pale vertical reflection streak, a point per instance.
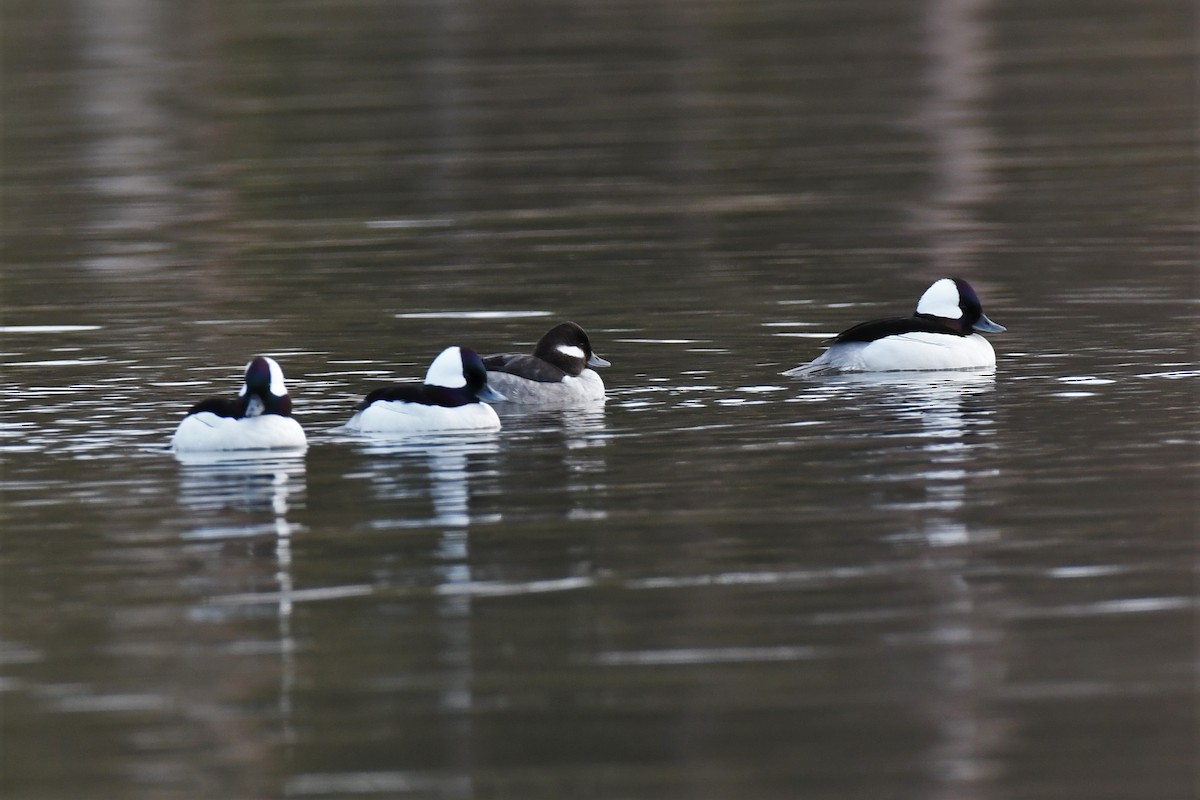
(128, 155)
(287, 642)
(447, 462)
(964, 638)
(247, 496)
(953, 118)
(449, 474)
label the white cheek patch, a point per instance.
(447, 370)
(571, 350)
(941, 300)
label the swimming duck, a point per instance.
(556, 373)
(259, 418)
(941, 335)
(450, 399)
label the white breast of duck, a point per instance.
(259, 418)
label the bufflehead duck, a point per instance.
(448, 400)
(940, 335)
(259, 418)
(556, 373)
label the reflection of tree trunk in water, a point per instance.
(954, 118)
(146, 101)
(964, 638)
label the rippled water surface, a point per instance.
(722, 582)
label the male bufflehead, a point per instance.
(259, 418)
(448, 400)
(557, 373)
(939, 336)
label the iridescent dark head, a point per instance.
(954, 301)
(264, 391)
(461, 368)
(567, 347)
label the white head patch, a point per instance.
(277, 387)
(447, 370)
(571, 351)
(941, 300)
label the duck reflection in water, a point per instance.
(443, 470)
(446, 460)
(960, 634)
(250, 481)
(248, 496)
(949, 413)
(563, 441)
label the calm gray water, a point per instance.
(724, 583)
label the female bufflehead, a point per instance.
(449, 400)
(259, 418)
(556, 373)
(939, 336)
